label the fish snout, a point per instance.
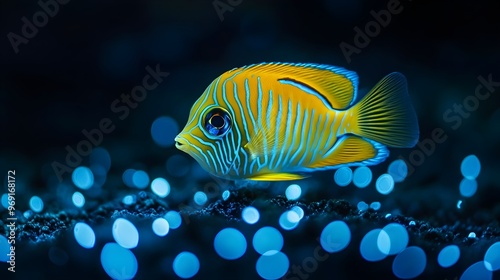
(180, 143)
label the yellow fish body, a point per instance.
(276, 121)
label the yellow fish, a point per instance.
(277, 121)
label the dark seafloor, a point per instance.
(65, 77)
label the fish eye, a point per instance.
(217, 122)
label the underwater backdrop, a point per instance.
(93, 93)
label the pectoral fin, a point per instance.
(264, 141)
(353, 150)
(277, 177)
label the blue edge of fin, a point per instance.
(351, 75)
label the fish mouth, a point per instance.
(180, 143)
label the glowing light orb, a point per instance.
(468, 187)
(477, 271)
(293, 192)
(129, 199)
(225, 195)
(398, 170)
(410, 263)
(186, 265)
(4, 249)
(492, 257)
(384, 184)
(230, 244)
(343, 176)
(369, 247)
(118, 262)
(174, 219)
(267, 239)
(36, 204)
(160, 226)
(84, 235)
(398, 239)
(335, 237)
(289, 220)
(449, 255)
(362, 177)
(5, 201)
(470, 167)
(140, 179)
(160, 187)
(375, 205)
(250, 215)
(200, 198)
(28, 214)
(164, 130)
(272, 265)
(78, 199)
(127, 177)
(299, 211)
(125, 233)
(82, 177)
(362, 206)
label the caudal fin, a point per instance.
(386, 115)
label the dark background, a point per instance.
(65, 78)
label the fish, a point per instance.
(282, 121)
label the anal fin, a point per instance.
(276, 177)
(352, 150)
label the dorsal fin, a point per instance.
(335, 85)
